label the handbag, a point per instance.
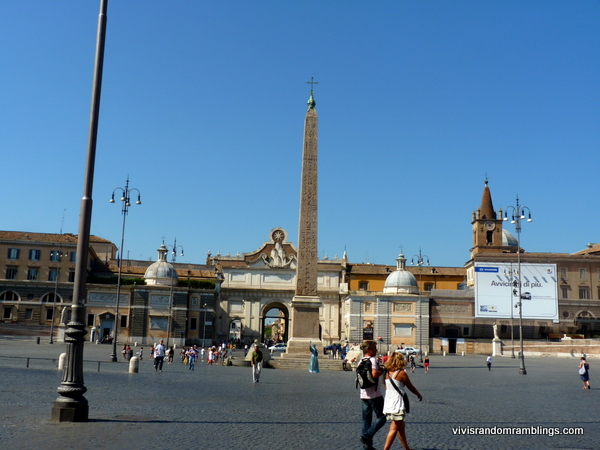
(582, 370)
(403, 395)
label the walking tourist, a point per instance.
(371, 397)
(256, 362)
(426, 364)
(159, 356)
(584, 372)
(488, 361)
(192, 353)
(396, 404)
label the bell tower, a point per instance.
(487, 226)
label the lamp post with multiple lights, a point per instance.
(420, 261)
(511, 273)
(125, 200)
(172, 282)
(518, 213)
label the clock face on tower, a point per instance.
(489, 225)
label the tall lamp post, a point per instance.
(511, 273)
(71, 405)
(420, 261)
(55, 255)
(518, 213)
(204, 332)
(125, 200)
(173, 259)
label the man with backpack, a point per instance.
(367, 379)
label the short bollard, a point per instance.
(134, 364)
(61, 361)
(462, 353)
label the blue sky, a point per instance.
(203, 106)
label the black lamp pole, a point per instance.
(518, 214)
(420, 260)
(125, 199)
(71, 405)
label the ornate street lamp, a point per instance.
(518, 213)
(125, 199)
(420, 261)
(173, 259)
(511, 273)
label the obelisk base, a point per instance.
(305, 325)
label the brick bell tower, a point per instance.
(487, 226)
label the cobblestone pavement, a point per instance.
(219, 407)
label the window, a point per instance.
(193, 323)
(402, 330)
(7, 312)
(50, 298)
(49, 313)
(489, 237)
(584, 293)
(55, 256)
(123, 322)
(34, 255)
(9, 296)
(466, 331)
(13, 253)
(28, 314)
(71, 276)
(53, 275)
(582, 275)
(428, 287)
(32, 274)
(90, 320)
(436, 330)
(564, 274)
(503, 328)
(363, 285)
(73, 256)
(565, 292)
(159, 323)
(368, 307)
(11, 273)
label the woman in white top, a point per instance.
(394, 406)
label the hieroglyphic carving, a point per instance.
(306, 282)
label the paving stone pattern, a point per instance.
(219, 407)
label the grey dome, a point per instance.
(161, 273)
(401, 281)
(508, 240)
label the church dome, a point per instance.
(161, 273)
(401, 281)
(508, 240)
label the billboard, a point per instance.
(496, 290)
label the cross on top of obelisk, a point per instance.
(311, 100)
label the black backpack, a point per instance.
(364, 375)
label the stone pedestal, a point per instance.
(304, 325)
(496, 347)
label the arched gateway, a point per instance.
(275, 323)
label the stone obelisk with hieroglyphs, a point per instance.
(306, 303)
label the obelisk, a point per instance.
(306, 303)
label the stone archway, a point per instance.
(275, 323)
